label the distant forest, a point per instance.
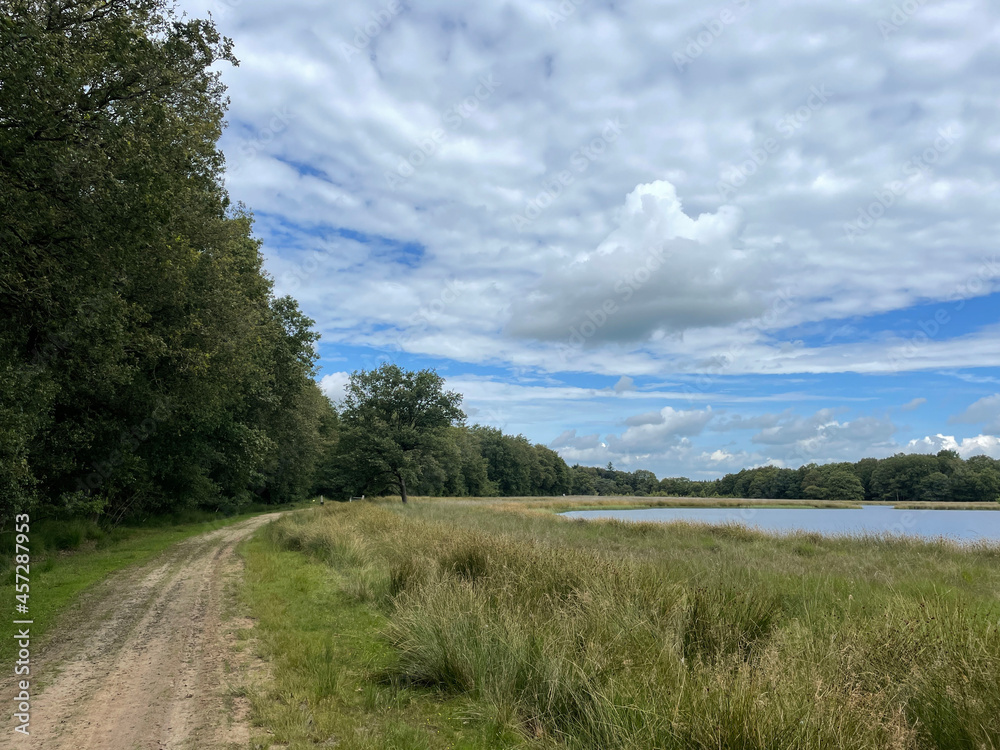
(146, 363)
(482, 461)
(900, 478)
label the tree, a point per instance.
(644, 482)
(511, 461)
(583, 480)
(833, 482)
(474, 469)
(392, 420)
(550, 475)
(144, 362)
(935, 487)
(864, 469)
(764, 483)
(976, 480)
(899, 478)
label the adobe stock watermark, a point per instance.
(906, 524)
(714, 28)
(377, 22)
(305, 270)
(579, 161)
(60, 342)
(782, 302)
(129, 441)
(625, 288)
(930, 328)
(492, 417)
(562, 12)
(787, 126)
(916, 167)
(430, 313)
(250, 147)
(898, 17)
(430, 144)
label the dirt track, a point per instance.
(140, 661)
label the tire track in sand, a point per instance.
(138, 663)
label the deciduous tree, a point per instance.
(392, 421)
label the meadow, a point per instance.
(498, 624)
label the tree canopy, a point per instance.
(900, 478)
(145, 363)
(393, 422)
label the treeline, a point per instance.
(900, 478)
(400, 432)
(466, 461)
(145, 363)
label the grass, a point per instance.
(330, 682)
(591, 502)
(542, 631)
(945, 506)
(67, 557)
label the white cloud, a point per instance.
(650, 440)
(986, 410)
(913, 405)
(822, 438)
(648, 436)
(659, 272)
(649, 417)
(314, 133)
(334, 385)
(987, 445)
(624, 384)
(434, 267)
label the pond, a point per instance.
(970, 525)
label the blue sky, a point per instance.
(682, 236)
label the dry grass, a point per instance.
(623, 635)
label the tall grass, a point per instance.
(614, 635)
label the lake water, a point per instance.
(869, 519)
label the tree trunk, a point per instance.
(402, 487)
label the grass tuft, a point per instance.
(555, 633)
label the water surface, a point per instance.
(869, 519)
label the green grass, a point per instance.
(608, 634)
(330, 681)
(67, 557)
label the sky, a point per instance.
(682, 236)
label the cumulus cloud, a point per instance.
(649, 417)
(984, 411)
(334, 385)
(649, 434)
(822, 437)
(979, 445)
(914, 404)
(739, 422)
(316, 133)
(570, 440)
(719, 208)
(659, 272)
(649, 439)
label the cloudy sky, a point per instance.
(681, 236)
